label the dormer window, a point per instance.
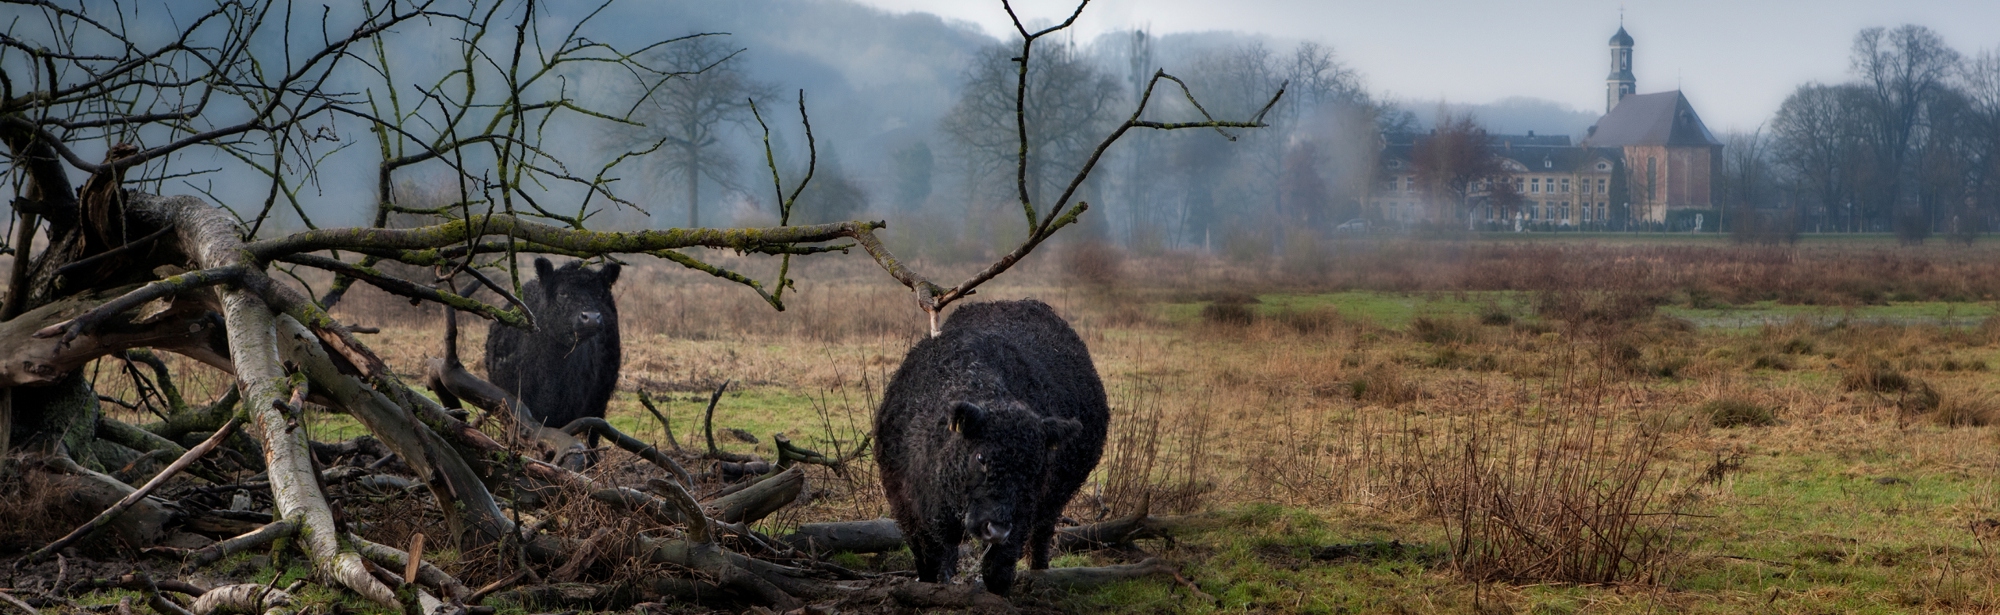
(1603, 166)
(1548, 164)
(1395, 164)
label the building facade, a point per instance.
(1648, 156)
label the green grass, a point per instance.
(1389, 310)
(1771, 312)
(760, 410)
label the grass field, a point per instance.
(1432, 428)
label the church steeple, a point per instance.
(1621, 82)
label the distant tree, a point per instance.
(831, 196)
(1504, 197)
(1902, 73)
(1980, 83)
(1453, 160)
(1817, 140)
(1747, 179)
(1304, 198)
(700, 91)
(914, 166)
(1069, 110)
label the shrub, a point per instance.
(1777, 362)
(1493, 316)
(1442, 331)
(1097, 264)
(1228, 314)
(1876, 376)
(1571, 504)
(1730, 412)
(1311, 321)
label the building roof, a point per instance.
(1664, 118)
(1621, 38)
(1565, 159)
(1535, 153)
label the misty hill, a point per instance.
(1512, 115)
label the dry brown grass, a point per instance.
(1592, 403)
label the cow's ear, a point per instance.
(544, 269)
(968, 419)
(1057, 430)
(610, 274)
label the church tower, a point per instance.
(1621, 83)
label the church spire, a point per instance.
(1621, 82)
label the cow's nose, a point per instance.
(590, 318)
(993, 532)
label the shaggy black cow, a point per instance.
(567, 367)
(987, 430)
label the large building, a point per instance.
(1648, 156)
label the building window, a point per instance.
(1565, 185)
(1565, 211)
(1535, 185)
(1600, 186)
(1586, 212)
(1410, 184)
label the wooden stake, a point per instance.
(416, 558)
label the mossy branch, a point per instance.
(397, 286)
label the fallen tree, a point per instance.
(113, 269)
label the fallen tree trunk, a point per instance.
(879, 535)
(759, 500)
(872, 536)
(85, 493)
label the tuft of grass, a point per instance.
(1877, 376)
(1443, 331)
(1228, 314)
(1734, 412)
(1967, 411)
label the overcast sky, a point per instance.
(1735, 59)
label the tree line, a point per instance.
(1911, 145)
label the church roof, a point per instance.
(1664, 118)
(1621, 38)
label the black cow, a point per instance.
(567, 367)
(987, 430)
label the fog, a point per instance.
(911, 120)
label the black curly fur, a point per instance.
(997, 420)
(567, 368)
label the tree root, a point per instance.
(254, 539)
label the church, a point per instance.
(1646, 159)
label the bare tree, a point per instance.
(1980, 123)
(1903, 71)
(1068, 111)
(695, 91)
(1816, 138)
(1453, 161)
